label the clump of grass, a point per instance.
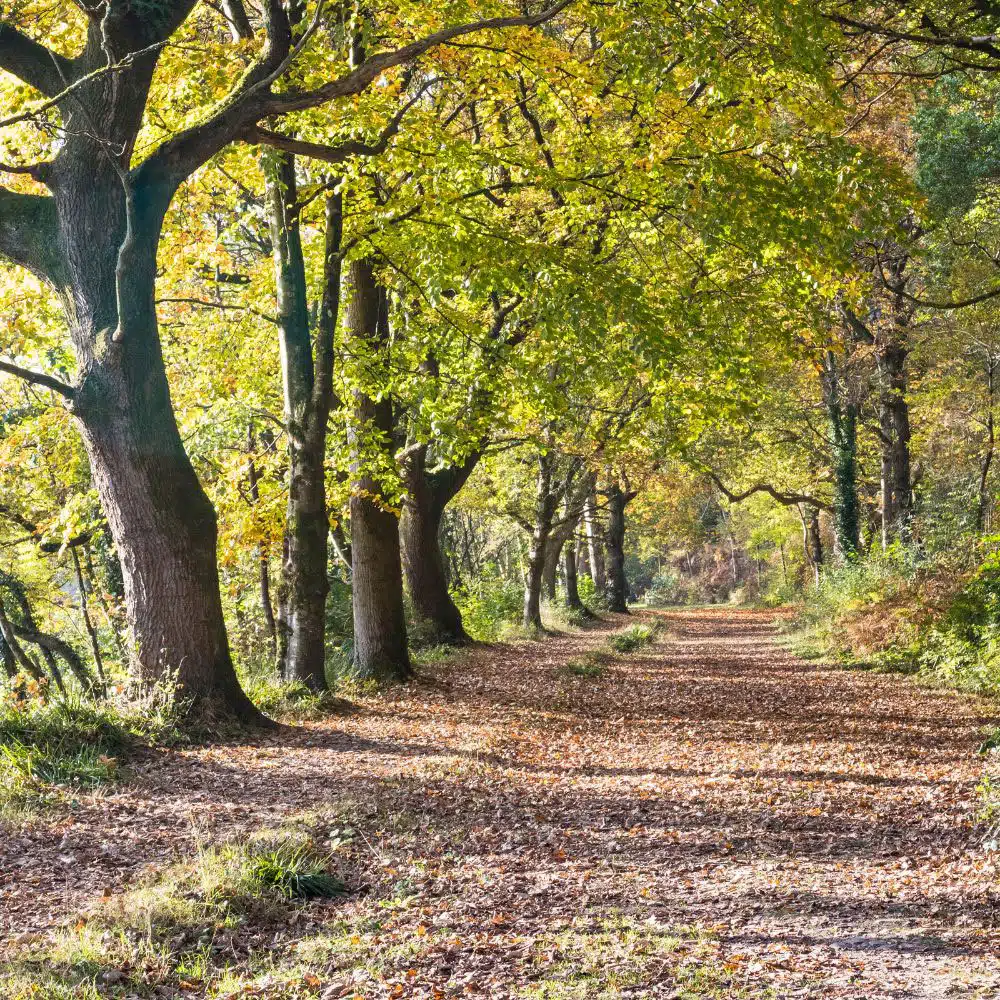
(632, 638)
(591, 665)
(285, 867)
(79, 767)
(291, 701)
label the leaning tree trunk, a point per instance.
(381, 652)
(616, 586)
(427, 495)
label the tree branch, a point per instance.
(31, 61)
(251, 101)
(29, 234)
(785, 499)
(986, 44)
(39, 378)
(341, 151)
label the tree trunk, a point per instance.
(983, 495)
(162, 523)
(843, 416)
(595, 544)
(616, 586)
(812, 541)
(427, 495)
(573, 600)
(88, 623)
(891, 351)
(550, 571)
(544, 513)
(263, 560)
(381, 652)
(307, 389)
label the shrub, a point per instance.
(666, 589)
(632, 638)
(903, 611)
(489, 607)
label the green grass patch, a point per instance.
(191, 928)
(632, 638)
(621, 957)
(590, 665)
(53, 749)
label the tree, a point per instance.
(307, 377)
(380, 644)
(94, 237)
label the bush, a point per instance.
(632, 638)
(666, 589)
(489, 607)
(902, 611)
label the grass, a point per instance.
(590, 665)
(190, 927)
(632, 638)
(52, 748)
(620, 957)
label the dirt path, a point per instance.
(710, 817)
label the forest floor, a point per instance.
(705, 817)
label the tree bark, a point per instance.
(427, 495)
(843, 417)
(307, 373)
(381, 652)
(545, 506)
(616, 586)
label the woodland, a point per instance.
(499, 498)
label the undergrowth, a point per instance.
(909, 612)
(54, 746)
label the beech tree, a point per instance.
(94, 238)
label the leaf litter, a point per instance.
(705, 817)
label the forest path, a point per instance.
(709, 817)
